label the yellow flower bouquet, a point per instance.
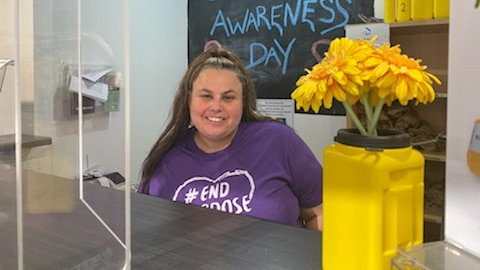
(358, 71)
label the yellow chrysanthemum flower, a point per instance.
(337, 76)
(399, 77)
(356, 71)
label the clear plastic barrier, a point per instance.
(439, 255)
(62, 153)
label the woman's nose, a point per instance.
(216, 104)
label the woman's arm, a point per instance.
(312, 217)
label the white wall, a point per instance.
(462, 186)
(8, 39)
(158, 37)
(7, 51)
(318, 130)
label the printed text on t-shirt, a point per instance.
(232, 192)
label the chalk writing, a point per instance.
(278, 17)
(275, 53)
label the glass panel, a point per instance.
(8, 210)
(50, 216)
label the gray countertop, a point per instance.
(59, 233)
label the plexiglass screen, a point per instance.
(62, 135)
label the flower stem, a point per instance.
(367, 107)
(354, 118)
(372, 126)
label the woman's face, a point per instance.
(216, 108)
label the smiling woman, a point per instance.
(218, 152)
(215, 108)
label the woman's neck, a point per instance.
(211, 146)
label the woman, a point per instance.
(218, 152)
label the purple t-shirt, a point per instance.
(266, 172)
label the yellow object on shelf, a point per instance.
(473, 153)
(372, 202)
(441, 9)
(389, 10)
(422, 9)
(403, 11)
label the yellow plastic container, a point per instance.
(473, 153)
(373, 200)
(441, 9)
(389, 10)
(422, 9)
(403, 11)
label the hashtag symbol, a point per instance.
(191, 195)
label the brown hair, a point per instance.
(179, 118)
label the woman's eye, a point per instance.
(229, 97)
(206, 96)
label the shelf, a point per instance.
(438, 72)
(421, 26)
(441, 95)
(428, 41)
(434, 156)
(7, 142)
(420, 23)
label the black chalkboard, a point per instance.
(275, 39)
